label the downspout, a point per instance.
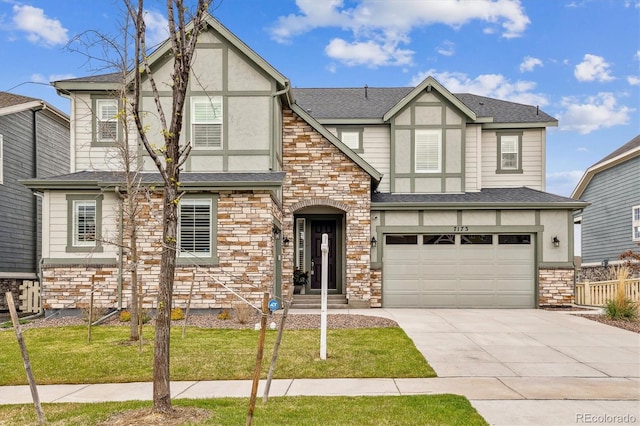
(120, 249)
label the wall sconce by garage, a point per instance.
(374, 242)
(285, 241)
(605, 263)
(276, 232)
(555, 241)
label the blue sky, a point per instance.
(578, 60)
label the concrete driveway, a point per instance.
(530, 367)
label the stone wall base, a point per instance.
(556, 287)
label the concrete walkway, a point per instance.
(517, 367)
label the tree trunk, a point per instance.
(161, 385)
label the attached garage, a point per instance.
(459, 271)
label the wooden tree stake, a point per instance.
(25, 358)
(276, 346)
(256, 372)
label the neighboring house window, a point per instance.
(84, 223)
(1, 160)
(196, 231)
(636, 222)
(106, 126)
(206, 122)
(351, 138)
(510, 153)
(428, 151)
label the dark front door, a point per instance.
(319, 227)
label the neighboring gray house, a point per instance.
(611, 223)
(429, 198)
(34, 143)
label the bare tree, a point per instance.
(168, 159)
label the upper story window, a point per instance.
(106, 125)
(636, 222)
(206, 122)
(84, 223)
(351, 138)
(428, 151)
(510, 153)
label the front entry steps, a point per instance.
(312, 301)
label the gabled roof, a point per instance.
(11, 103)
(488, 198)
(377, 104)
(189, 180)
(107, 81)
(626, 152)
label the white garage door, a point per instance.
(459, 271)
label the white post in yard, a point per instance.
(323, 294)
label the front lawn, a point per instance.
(62, 355)
(307, 410)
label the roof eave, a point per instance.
(519, 125)
(600, 167)
(477, 206)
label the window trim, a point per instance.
(635, 223)
(72, 246)
(194, 100)
(359, 131)
(432, 132)
(500, 169)
(95, 140)
(212, 257)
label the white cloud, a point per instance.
(490, 85)
(633, 80)
(40, 29)
(596, 112)
(367, 53)
(384, 24)
(39, 78)
(446, 48)
(563, 183)
(529, 63)
(157, 27)
(593, 68)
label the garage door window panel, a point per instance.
(396, 240)
(448, 239)
(476, 239)
(514, 239)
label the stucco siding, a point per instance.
(606, 223)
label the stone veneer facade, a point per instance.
(245, 254)
(319, 174)
(556, 287)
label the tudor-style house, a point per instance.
(428, 198)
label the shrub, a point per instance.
(125, 316)
(177, 314)
(224, 315)
(620, 307)
(243, 312)
(96, 314)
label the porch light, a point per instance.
(555, 241)
(276, 232)
(285, 241)
(605, 263)
(373, 241)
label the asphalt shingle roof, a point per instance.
(374, 102)
(9, 99)
(505, 196)
(632, 144)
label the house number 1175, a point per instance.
(460, 228)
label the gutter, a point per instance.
(120, 248)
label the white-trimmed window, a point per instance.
(509, 152)
(351, 138)
(84, 223)
(194, 231)
(106, 120)
(206, 122)
(635, 222)
(1, 160)
(428, 151)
